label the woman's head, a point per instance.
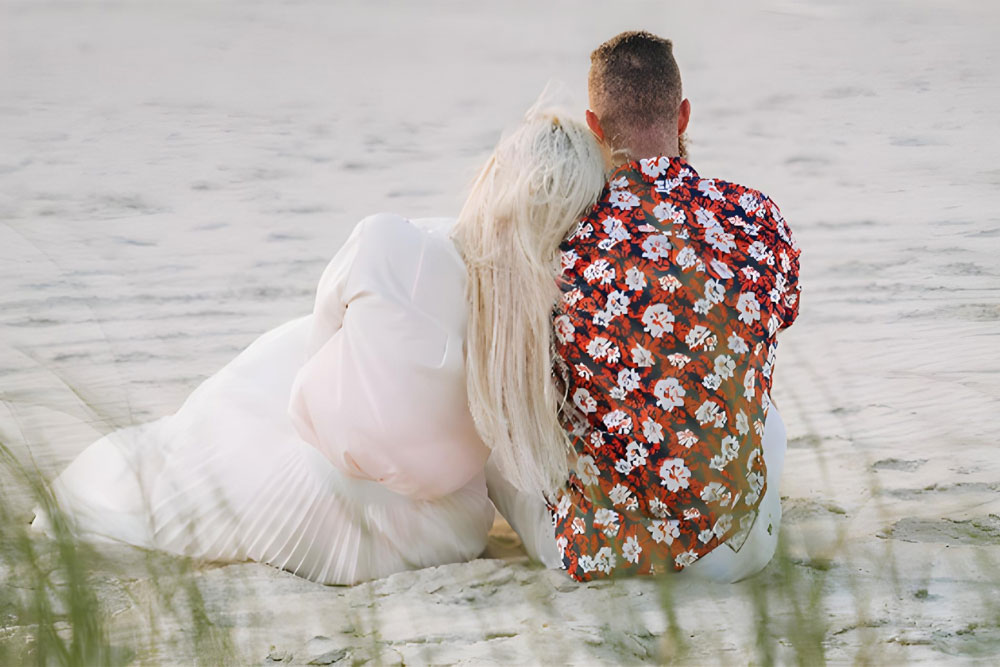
(541, 179)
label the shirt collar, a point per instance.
(654, 169)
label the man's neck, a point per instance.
(639, 149)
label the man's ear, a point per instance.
(594, 123)
(683, 116)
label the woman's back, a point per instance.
(375, 378)
(393, 327)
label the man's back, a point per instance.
(674, 290)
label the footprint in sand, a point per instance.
(798, 510)
(979, 531)
(898, 464)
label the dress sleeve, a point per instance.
(333, 295)
(381, 391)
(334, 291)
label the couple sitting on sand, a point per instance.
(591, 354)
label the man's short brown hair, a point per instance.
(634, 82)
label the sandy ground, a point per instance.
(175, 175)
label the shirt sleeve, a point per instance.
(787, 252)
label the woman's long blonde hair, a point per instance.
(542, 177)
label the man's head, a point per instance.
(636, 105)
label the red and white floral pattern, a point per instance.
(674, 288)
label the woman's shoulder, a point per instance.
(392, 225)
(389, 234)
(403, 251)
(382, 227)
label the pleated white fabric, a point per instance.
(229, 477)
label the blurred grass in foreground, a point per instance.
(58, 606)
(51, 607)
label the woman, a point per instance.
(339, 446)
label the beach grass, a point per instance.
(57, 609)
(55, 606)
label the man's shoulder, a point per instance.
(737, 191)
(731, 186)
(646, 200)
(648, 182)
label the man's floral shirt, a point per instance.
(673, 290)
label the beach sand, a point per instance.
(174, 176)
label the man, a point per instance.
(674, 288)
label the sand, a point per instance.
(175, 175)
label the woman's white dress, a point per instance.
(338, 446)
